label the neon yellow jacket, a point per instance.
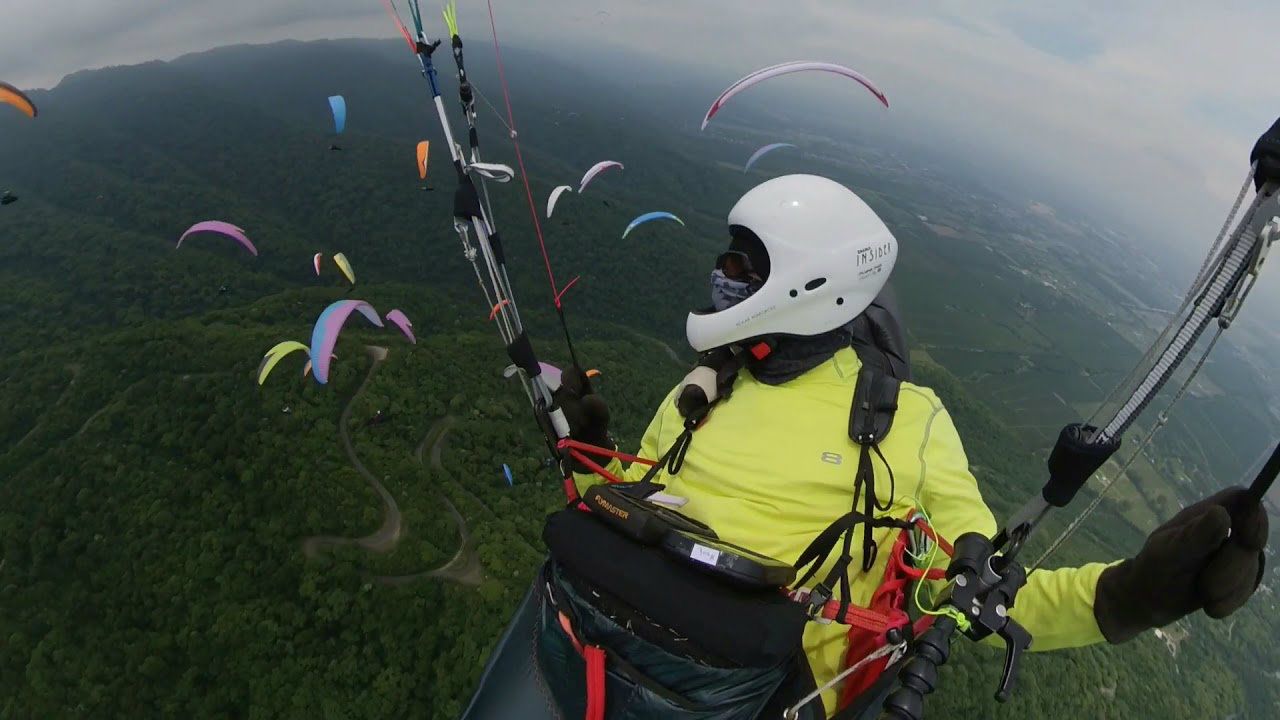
(773, 466)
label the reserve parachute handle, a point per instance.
(984, 575)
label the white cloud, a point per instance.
(1150, 115)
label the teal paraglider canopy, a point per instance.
(338, 105)
(650, 217)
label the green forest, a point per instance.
(178, 541)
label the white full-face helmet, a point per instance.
(826, 255)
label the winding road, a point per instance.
(464, 567)
(385, 538)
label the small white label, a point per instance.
(704, 554)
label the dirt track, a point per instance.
(385, 538)
(464, 567)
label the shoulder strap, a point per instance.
(875, 400)
(878, 335)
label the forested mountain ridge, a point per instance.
(163, 519)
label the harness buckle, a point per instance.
(817, 603)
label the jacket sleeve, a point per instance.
(649, 448)
(1055, 606)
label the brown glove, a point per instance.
(586, 411)
(1207, 557)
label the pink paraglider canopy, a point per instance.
(222, 228)
(786, 69)
(325, 333)
(398, 318)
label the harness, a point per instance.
(884, 621)
(876, 632)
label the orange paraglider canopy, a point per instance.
(423, 148)
(15, 97)
(494, 312)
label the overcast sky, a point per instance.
(1146, 106)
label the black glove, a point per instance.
(1266, 152)
(587, 413)
(1207, 557)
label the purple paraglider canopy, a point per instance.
(222, 228)
(398, 318)
(325, 333)
(550, 373)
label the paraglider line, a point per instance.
(496, 113)
(515, 142)
(478, 215)
(395, 17)
(556, 294)
(568, 339)
(565, 289)
(416, 13)
(451, 18)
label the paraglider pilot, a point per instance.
(774, 466)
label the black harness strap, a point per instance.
(695, 407)
(816, 554)
(820, 549)
(875, 400)
(672, 460)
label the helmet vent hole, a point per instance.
(839, 301)
(794, 293)
(814, 284)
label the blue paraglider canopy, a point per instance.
(506, 469)
(650, 217)
(338, 105)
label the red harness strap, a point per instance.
(594, 656)
(888, 608)
(579, 451)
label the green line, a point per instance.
(451, 17)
